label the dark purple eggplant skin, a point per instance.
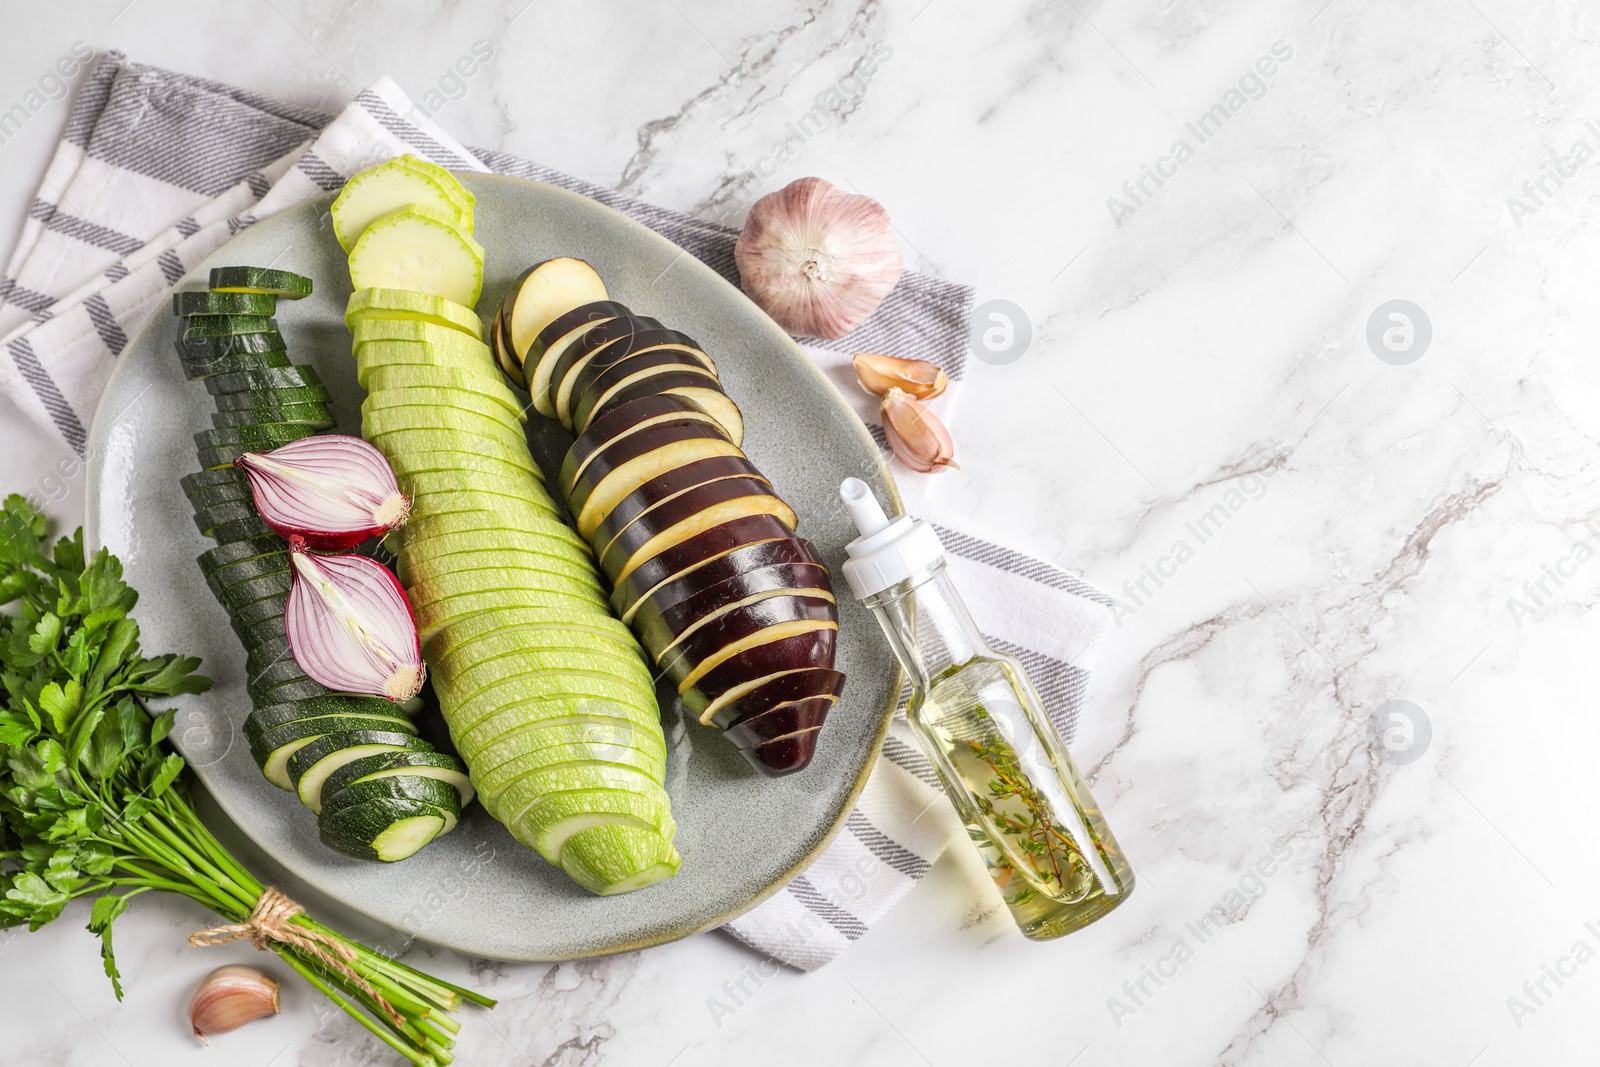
(693, 475)
(632, 447)
(659, 624)
(682, 559)
(642, 342)
(789, 752)
(617, 333)
(750, 718)
(658, 384)
(620, 421)
(739, 624)
(561, 325)
(669, 513)
(591, 383)
(814, 648)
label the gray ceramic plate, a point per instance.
(742, 836)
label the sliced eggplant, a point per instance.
(620, 422)
(687, 515)
(659, 626)
(741, 627)
(682, 560)
(542, 356)
(679, 480)
(595, 390)
(749, 705)
(547, 291)
(688, 385)
(787, 646)
(631, 462)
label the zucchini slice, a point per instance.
(219, 494)
(420, 249)
(213, 560)
(299, 376)
(386, 830)
(195, 302)
(261, 281)
(389, 187)
(209, 518)
(251, 436)
(316, 416)
(299, 689)
(272, 396)
(273, 748)
(424, 788)
(446, 180)
(400, 315)
(267, 716)
(243, 530)
(236, 345)
(210, 327)
(309, 768)
(195, 369)
(440, 765)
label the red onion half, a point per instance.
(351, 627)
(332, 490)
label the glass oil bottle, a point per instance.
(983, 727)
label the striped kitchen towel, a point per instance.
(158, 169)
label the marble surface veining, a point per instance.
(1308, 509)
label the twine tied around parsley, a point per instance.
(272, 920)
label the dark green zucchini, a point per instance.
(241, 344)
(206, 366)
(206, 327)
(298, 376)
(272, 396)
(210, 517)
(264, 438)
(386, 830)
(279, 283)
(440, 765)
(243, 530)
(213, 560)
(194, 302)
(299, 689)
(207, 479)
(440, 794)
(316, 416)
(235, 597)
(262, 610)
(309, 768)
(284, 741)
(270, 715)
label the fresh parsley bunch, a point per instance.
(93, 804)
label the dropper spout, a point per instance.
(864, 508)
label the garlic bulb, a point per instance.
(229, 997)
(878, 374)
(916, 436)
(817, 259)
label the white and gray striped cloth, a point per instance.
(157, 169)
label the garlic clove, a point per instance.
(817, 259)
(916, 436)
(229, 997)
(878, 374)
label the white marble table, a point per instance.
(1303, 525)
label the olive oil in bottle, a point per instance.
(981, 722)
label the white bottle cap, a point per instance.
(887, 551)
